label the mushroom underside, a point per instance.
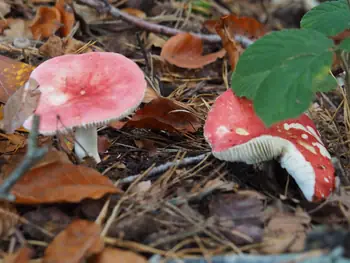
(265, 148)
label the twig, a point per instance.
(159, 29)
(163, 167)
(33, 155)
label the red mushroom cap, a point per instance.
(86, 89)
(236, 133)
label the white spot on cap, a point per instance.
(297, 126)
(326, 180)
(304, 136)
(57, 98)
(221, 131)
(314, 133)
(82, 92)
(241, 131)
(307, 146)
(323, 150)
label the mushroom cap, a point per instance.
(86, 89)
(236, 133)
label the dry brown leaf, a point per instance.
(79, 240)
(103, 143)
(8, 219)
(55, 46)
(22, 255)
(20, 106)
(46, 22)
(134, 12)
(5, 8)
(13, 143)
(150, 95)
(163, 114)
(54, 182)
(113, 255)
(185, 50)
(18, 28)
(155, 40)
(285, 232)
(67, 17)
(13, 75)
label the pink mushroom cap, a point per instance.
(86, 89)
(236, 133)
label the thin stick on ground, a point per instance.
(33, 155)
(163, 167)
(155, 28)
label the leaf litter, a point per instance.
(201, 209)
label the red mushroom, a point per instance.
(85, 91)
(236, 133)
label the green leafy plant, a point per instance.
(283, 70)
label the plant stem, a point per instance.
(344, 57)
(33, 155)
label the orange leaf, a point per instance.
(23, 255)
(163, 114)
(67, 17)
(112, 255)
(61, 182)
(46, 22)
(13, 75)
(185, 50)
(79, 240)
(134, 12)
(246, 26)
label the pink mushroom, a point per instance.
(86, 91)
(236, 133)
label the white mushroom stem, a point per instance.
(86, 143)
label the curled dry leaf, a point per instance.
(54, 179)
(8, 219)
(78, 241)
(21, 105)
(135, 12)
(46, 22)
(185, 50)
(23, 255)
(67, 17)
(285, 232)
(13, 75)
(112, 255)
(56, 46)
(163, 114)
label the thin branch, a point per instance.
(33, 155)
(163, 167)
(155, 28)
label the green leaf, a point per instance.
(329, 18)
(345, 45)
(282, 70)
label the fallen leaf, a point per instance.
(240, 217)
(5, 8)
(150, 95)
(229, 43)
(13, 75)
(146, 144)
(51, 219)
(61, 182)
(22, 255)
(56, 46)
(67, 17)
(20, 106)
(154, 40)
(46, 22)
(103, 143)
(8, 219)
(235, 25)
(13, 143)
(134, 12)
(112, 255)
(285, 232)
(18, 28)
(163, 114)
(78, 241)
(185, 50)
